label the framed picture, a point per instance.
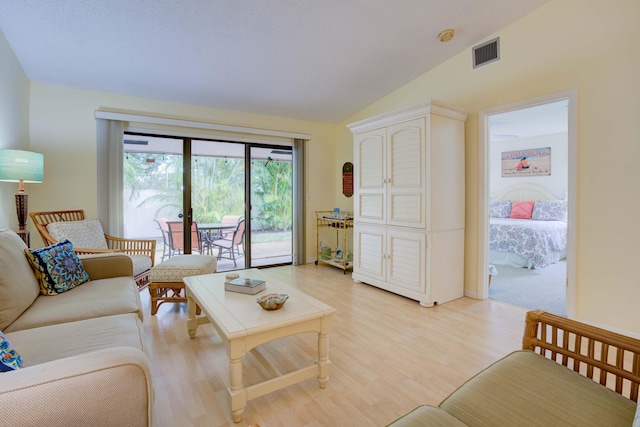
(529, 162)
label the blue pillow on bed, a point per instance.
(550, 210)
(499, 208)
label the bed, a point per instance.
(527, 227)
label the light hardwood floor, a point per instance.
(389, 355)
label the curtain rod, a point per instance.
(128, 117)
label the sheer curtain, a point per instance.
(299, 212)
(110, 135)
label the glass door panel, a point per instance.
(218, 200)
(271, 196)
(153, 187)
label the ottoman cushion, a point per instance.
(180, 266)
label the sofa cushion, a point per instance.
(57, 268)
(526, 389)
(10, 360)
(41, 345)
(18, 285)
(87, 233)
(427, 416)
(96, 298)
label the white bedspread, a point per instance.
(540, 242)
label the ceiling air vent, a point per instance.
(486, 53)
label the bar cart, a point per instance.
(342, 223)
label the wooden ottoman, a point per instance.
(166, 283)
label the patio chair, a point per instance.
(87, 237)
(227, 219)
(166, 238)
(176, 238)
(231, 246)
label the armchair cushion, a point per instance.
(141, 263)
(18, 285)
(10, 360)
(57, 268)
(82, 234)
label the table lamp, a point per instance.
(21, 166)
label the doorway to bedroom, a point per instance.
(528, 168)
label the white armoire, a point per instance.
(409, 202)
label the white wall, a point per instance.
(589, 45)
(14, 124)
(556, 183)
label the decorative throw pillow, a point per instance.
(550, 210)
(499, 208)
(10, 360)
(82, 234)
(521, 210)
(57, 268)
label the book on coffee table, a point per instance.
(245, 286)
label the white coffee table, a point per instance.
(243, 325)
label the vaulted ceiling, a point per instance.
(319, 60)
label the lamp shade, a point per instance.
(19, 165)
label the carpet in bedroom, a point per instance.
(532, 289)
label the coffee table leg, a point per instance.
(324, 365)
(192, 321)
(237, 393)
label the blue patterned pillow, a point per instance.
(499, 208)
(10, 360)
(550, 210)
(57, 268)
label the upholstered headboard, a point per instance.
(525, 192)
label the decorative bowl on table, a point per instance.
(272, 301)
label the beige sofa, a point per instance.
(83, 350)
(559, 385)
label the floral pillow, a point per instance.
(499, 208)
(57, 268)
(10, 360)
(521, 210)
(550, 210)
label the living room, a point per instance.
(565, 44)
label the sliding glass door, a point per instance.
(171, 182)
(271, 195)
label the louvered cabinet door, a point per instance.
(406, 259)
(370, 196)
(369, 241)
(406, 174)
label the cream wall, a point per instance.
(63, 127)
(14, 124)
(589, 45)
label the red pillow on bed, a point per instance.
(521, 210)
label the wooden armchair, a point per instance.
(138, 249)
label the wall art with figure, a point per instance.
(528, 162)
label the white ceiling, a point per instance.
(319, 60)
(543, 119)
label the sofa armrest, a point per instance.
(106, 265)
(110, 387)
(427, 416)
